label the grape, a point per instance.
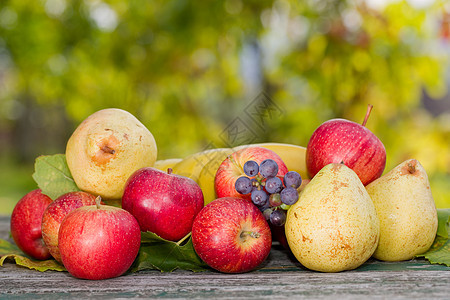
(273, 185)
(243, 185)
(275, 200)
(278, 217)
(268, 168)
(267, 212)
(289, 195)
(264, 207)
(251, 168)
(259, 197)
(292, 179)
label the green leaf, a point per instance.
(443, 223)
(10, 252)
(439, 252)
(155, 253)
(167, 256)
(53, 176)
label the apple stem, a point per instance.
(369, 109)
(169, 171)
(97, 201)
(253, 234)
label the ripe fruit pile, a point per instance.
(336, 208)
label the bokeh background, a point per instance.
(190, 69)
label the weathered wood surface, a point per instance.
(280, 277)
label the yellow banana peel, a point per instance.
(206, 178)
(164, 164)
(293, 156)
(192, 165)
(202, 166)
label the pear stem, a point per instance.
(369, 109)
(169, 170)
(97, 201)
(107, 149)
(411, 168)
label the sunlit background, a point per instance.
(188, 69)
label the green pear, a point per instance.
(406, 209)
(334, 225)
(106, 148)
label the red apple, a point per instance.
(232, 168)
(231, 235)
(98, 241)
(344, 141)
(26, 222)
(55, 213)
(162, 202)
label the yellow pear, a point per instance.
(106, 148)
(333, 226)
(406, 209)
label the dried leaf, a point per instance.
(10, 252)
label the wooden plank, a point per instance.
(280, 277)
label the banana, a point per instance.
(202, 166)
(192, 165)
(293, 156)
(206, 178)
(164, 164)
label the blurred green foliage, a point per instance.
(188, 69)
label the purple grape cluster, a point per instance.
(268, 192)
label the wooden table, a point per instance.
(280, 277)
